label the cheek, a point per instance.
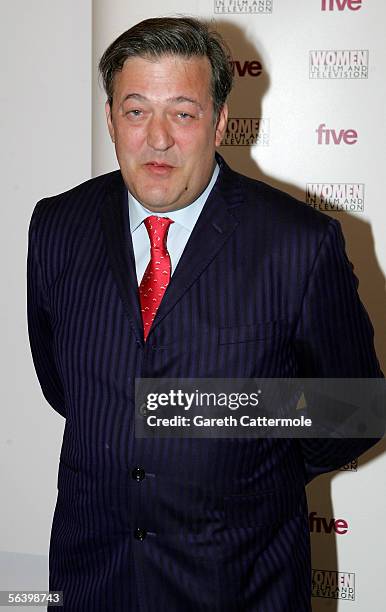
(196, 143)
(129, 140)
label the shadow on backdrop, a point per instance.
(246, 101)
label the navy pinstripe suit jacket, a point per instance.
(263, 289)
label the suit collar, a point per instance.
(214, 226)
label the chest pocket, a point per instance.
(251, 333)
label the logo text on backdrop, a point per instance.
(322, 524)
(334, 136)
(339, 64)
(333, 584)
(336, 196)
(244, 68)
(341, 5)
(246, 131)
(350, 467)
(243, 6)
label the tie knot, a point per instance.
(157, 228)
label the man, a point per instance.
(176, 266)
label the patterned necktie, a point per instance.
(157, 274)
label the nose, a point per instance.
(159, 136)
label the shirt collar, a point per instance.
(186, 216)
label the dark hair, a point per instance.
(184, 36)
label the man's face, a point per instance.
(164, 131)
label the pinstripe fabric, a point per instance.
(263, 289)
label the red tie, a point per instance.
(157, 274)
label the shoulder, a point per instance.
(271, 218)
(277, 206)
(72, 214)
(273, 211)
(80, 197)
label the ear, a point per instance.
(109, 121)
(221, 125)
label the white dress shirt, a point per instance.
(179, 231)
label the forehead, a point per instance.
(164, 77)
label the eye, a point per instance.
(184, 115)
(135, 112)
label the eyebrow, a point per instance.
(175, 100)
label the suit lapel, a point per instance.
(119, 246)
(213, 228)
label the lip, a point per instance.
(158, 168)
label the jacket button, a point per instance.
(140, 534)
(138, 474)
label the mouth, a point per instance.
(158, 168)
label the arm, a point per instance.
(39, 325)
(334, 339)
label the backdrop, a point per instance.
(306, 116)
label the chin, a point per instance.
(154, 199)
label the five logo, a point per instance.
(340, 5)
(319, 524)
(328, 136)
(251, 68)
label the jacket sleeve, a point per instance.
(334, 339)
(39, 324)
